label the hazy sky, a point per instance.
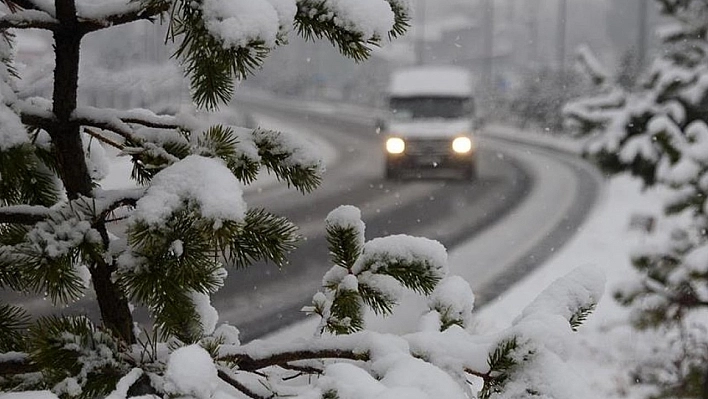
(609, 27)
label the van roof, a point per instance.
(431, 80)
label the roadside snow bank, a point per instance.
(609, 345)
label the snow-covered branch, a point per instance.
(110, 120)
(149, 119)
(98, 136)
(134, 11)
(14, 363)
(29, 19)
(254, 362)
(23, 214)
(108, 202)
(118, 120)
(13, 5)
(35, 113)
(104, 119)
(114, 199)
(228, 378)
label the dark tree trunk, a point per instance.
(66, 140)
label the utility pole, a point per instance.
(419, 42)
(488, 68)
(642, 34)
(560, 34)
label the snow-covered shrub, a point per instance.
(538, 100)
(187, 222)
(659, 133)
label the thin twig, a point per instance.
(484, 376)
(239, 386)
(103, 139)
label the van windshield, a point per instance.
(405, 108)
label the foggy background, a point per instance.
(511, 47)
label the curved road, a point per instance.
(542, 194)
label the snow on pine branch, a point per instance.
(102, 9)
(373, 274)
(26, 19)
(12, 131)
(240, 22)
(568, 296)
(203, 182)
(371, 18)
(229, 39)
(237, 23)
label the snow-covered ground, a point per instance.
(609, 346)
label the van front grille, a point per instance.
(428, 146)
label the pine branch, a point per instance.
(74, 347)
(23, 214)
(134, 11)
(346, 313)
(304, 176)
(247, 362)
(13, 321)
(103, 139)
(29, 19)
(211, 66)
(27, 178)
(35, 116)
(141, 117)
(301, 369)
(262, 236)
(221, 142)
(123, 129)
(14, 5)
(107, 121)
(484, 376)
(15, 365)
(402, 18)
(378, 301)
(501, 363)
(580, 315)
(416, 275)
(127, 198)
(315, 20)
(344, 245)
(231, 380)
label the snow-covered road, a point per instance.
(528, 201)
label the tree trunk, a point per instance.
(73, 171)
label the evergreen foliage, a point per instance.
(501, 364)
(187, 223)
(579, 317)
(657, 130)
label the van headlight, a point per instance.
(462, 145)
(395, 145)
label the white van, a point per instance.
(430, 121)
